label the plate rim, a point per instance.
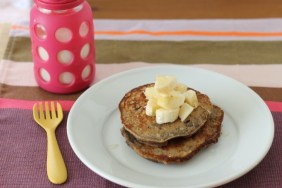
(140, 69)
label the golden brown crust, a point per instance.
(146, 130)
(180, 149)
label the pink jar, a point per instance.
(63, 52)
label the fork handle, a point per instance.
(56, 168)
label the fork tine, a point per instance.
(35, 111)
(41, 111)
(53, 111)
(59, 110)
(47, 111)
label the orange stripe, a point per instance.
(179, 33)
(19, 27)
(193, 33)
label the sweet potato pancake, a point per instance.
(145, 128)
(183, 148)
(170, 142)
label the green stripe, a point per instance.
(18, 49)
(186, 52)
(4, 33)
(190, 52)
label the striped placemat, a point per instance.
(239, 39)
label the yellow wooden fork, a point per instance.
(49, 119)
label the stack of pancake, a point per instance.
(169, 142)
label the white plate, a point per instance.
(93, 129)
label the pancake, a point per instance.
(145, 128)
(180, 149)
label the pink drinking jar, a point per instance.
(63, 51)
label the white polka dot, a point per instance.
(45, 11)
(66, 78)
(60, 11)
(83, 29)
(78, 8)
(85, 51)
(43, 54)
(44, 75)
(40, 31)
(65, 57)
(63, 34)
(86, 72)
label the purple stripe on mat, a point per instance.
(268, 173)
(23, 156)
